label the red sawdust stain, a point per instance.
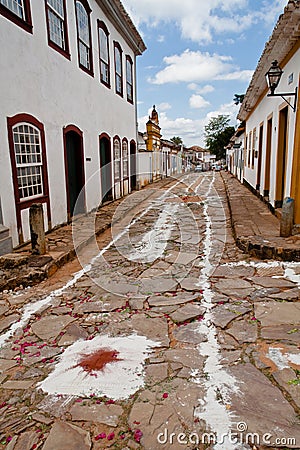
(191, 199)
(97, 360)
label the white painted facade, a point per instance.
(36, 79)
(267, 108)
(235, 153)
(145, 163)
(154, 165)
(271, 125)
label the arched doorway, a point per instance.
(74, 169)
(105, 167)
(133, 166)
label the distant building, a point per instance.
(199, 156)
(149, 152)
(235, 153)
(157, 157)
(171, 158)
(272, 126)
(68, 108)
(153, 143)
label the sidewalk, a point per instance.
(255, 228)
(21, 268)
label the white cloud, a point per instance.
(200, 90)
(270, 15)
(196, 66)
(228, 109)
(197, 101)
(161, 38)
(201, 23)
(190, 130)
(242, 75)
(164, 106)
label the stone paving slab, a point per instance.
(280, 332)
(184, 381)
(275, 313)
(66, 436)
(49, 327)
(171, 300)
(7, 321)
(17, 385)
(286, 378)
(189, 333)
(187, 312)
(271, 414)
(37, 268)
(98, 413)
(269, 282)
(224, 314)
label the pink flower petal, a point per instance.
(110, 436)
(100, 436)
(137, 435)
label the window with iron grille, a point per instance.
(117, 159)
(125, 158)
(18, 11)
(104, 54)
(28, 159)
(84, 36)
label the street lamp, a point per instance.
(273, 77)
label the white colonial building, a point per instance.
(235, 153)
(171, 158)
(272, 123)
(68, 108)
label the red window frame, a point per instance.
(86, 6)
(24, 204)
(26, 23)
(103, 27)
(63, 51)
(118, 76)
(129, 83)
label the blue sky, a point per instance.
(199, 54)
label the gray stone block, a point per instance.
(5, 240)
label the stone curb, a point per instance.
(258, 246)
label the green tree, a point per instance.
(217, 135)
(238, 98)
(177, 140)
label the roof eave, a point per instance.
(117, 14)
(285, 37)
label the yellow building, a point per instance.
(153, 142)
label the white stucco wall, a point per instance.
(37, 80)
(270, 107)
(144, 168)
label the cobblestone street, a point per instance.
(161, 335)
